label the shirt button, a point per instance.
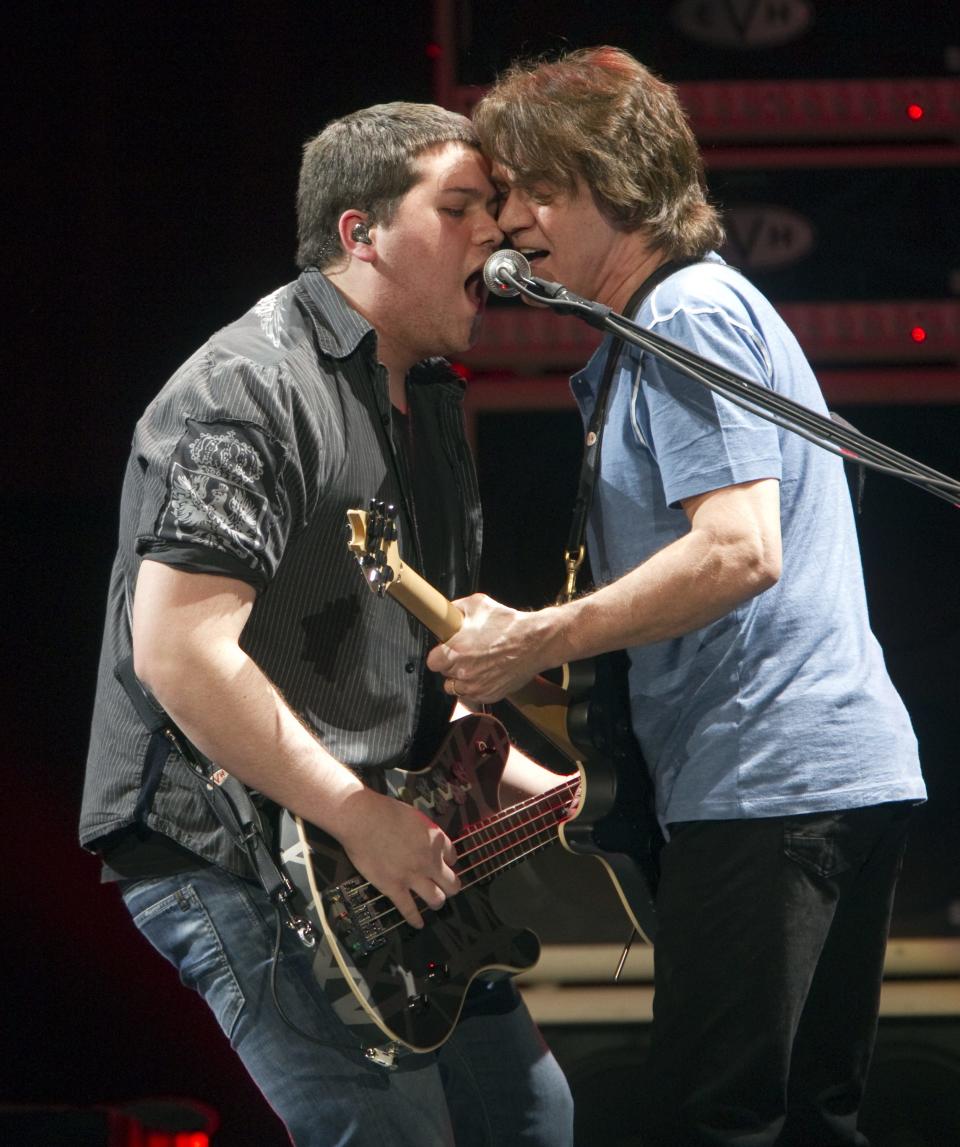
(411, 665)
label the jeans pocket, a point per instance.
(179, 927)
(815, 853)
(811, 840)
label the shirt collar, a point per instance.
(340, 330)
(339, 327)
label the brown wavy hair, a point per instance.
(599, 114)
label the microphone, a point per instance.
(554, 295)
(507, 260)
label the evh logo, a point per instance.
(762, 238)
(742, 23)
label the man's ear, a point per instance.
(358, 236)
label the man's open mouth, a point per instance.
(475, 288)
(532, 254)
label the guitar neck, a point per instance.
(514, 834)
(541, 702)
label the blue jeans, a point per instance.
(494, 1083)
(768, 965)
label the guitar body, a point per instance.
(386, 978)
(615, 822)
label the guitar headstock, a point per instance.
(372, 539)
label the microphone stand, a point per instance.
(835, 437)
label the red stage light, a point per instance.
(915, 111)
(433, 51)
(177, 1139)
(918, 334)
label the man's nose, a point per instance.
(513, 217)
(490, 232)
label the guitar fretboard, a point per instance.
(511, 835)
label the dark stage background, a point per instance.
(152, 162)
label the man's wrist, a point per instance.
(554, 640)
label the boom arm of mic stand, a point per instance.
(559, 299)
(784, 412)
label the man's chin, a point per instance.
(468, 339)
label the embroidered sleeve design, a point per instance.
(219, 487)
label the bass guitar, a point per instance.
(385, 978)
(580, 720)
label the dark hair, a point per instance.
(599, 114)
(366, 160)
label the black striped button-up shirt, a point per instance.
(245, 465)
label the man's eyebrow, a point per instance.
(472, 193)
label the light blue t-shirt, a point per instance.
(784, 705)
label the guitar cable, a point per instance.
(385, 1056)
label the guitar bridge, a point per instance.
(355, 910)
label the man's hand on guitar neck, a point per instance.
(731, 553)
(496, 651)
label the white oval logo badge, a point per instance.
(744, 24)
(760, 238)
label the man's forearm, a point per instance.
(234, 715)
(730, 554)
(685, 586)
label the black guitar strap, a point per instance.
(226, 796)
(576, 550)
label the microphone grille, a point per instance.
(512, 262)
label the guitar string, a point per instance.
(504, 817)
(484, 826)
(547, 838)
(486, 855)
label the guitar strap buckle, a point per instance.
(572, 560)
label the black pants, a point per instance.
(768, 966)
